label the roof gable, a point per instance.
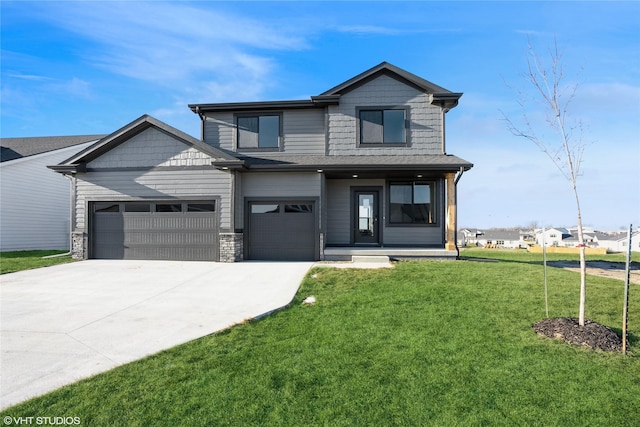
(385, 68)
(439, 95)
(78, 162)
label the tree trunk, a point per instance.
(583, 264)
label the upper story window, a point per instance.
(383, 126)
(258, 131)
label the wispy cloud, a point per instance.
(368, 29)
(379, 30)
(30, 77)
(172, 44)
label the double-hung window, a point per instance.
(258, 131)
(383, 126)
(412, 203)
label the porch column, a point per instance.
(451, 212)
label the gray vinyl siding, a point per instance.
(151, 148)
(219, 130)
(339, 216)
(425, 128)
(199, 184)
(276, 185)
(303, 131)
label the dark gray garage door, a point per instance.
(155, 230)
(283, 231)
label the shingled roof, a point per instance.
(17, 148)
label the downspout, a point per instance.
(202, 120)
(443, 133)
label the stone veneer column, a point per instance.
(79, 243)
(231, 247)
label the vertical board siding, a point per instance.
(150, 148)
(35, 202)
(338, 212)
(425, 120)
(154, 185)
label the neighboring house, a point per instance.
(359, 169)
(34, 203)
(507, 239)
(618, 241)
(551, 236)
(469, 236)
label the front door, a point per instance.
(366, 226)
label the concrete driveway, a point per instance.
(64, 323)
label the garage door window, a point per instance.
(107, 207)
(169, 207)
(264, 209)
(306, 208)
(137, 207)
(201, 207)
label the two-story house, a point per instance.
(359, 169)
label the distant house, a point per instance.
(551, 236)
(618, 241)
(503, 239)
(613, 241)
(469, 236)
(35, 203)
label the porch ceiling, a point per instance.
(337, 165)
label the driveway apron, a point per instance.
(64, 323)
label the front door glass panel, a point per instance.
(366, 227)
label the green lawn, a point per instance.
(425, 343)
(11, 262)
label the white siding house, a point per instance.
(35, 201)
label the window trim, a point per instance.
(407, 128)
(434, 197)
(258, 114)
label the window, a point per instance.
(264, 209)
(201, 207)
(298, 208)
(258, 131)
(106, 207)
(383, 126)
(137, 207)
(412, 203)
(169, 207)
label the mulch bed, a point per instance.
(592, 335)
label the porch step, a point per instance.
(347, 253)
(370, 259)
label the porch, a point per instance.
(346, 253)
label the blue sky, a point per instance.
(71, 68)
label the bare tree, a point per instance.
(547, 89)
